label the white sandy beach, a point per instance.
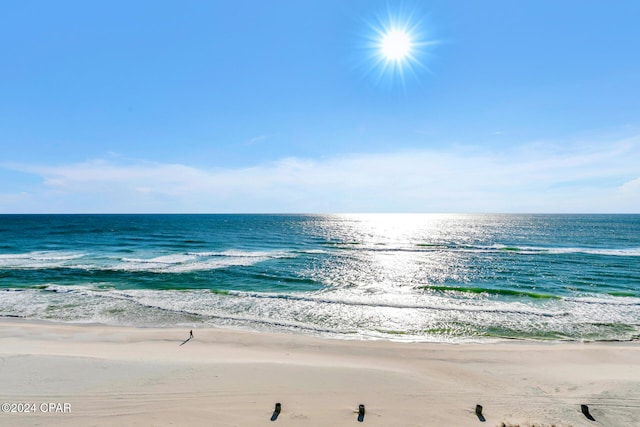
(117, 376)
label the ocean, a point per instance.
(403, 277)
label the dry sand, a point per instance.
(117, 376)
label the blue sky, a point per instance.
(279, 106)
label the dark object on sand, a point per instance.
(188, 339)
(276, 412)
(585, 411)
(360, 413)
(479, 413)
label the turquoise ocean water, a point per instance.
(431, 277)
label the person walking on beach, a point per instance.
(191, 334)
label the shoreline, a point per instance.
(479, 340)
(118, 375)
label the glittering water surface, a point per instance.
(403, 276)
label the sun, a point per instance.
(397, 49)
(396, 45)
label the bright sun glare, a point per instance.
(395, 45)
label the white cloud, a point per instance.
(536, 178)
(631, 187)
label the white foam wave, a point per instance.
(213, 265)
(496, 248)
(43, 256)
(199, 261)
(184, 263)
(398, 301)
(244, 254)
(406, 317)
(39, 259)
(314, 251)
(164, 259)
(553, 250)
(591, 251)
(169, 263)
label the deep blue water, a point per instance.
(424, 277)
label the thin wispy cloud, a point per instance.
(631, 187)
(257, 139)
(581, 178)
